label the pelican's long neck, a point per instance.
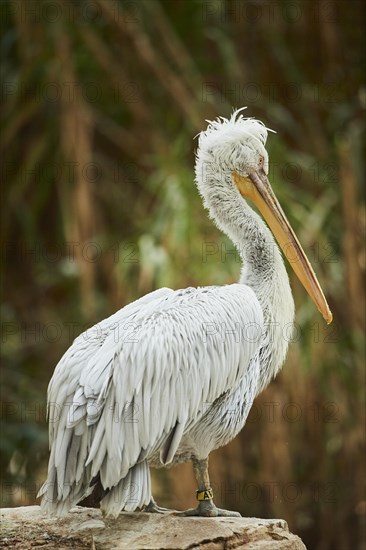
(263, 268)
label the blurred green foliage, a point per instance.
(101, 101)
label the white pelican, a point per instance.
(172, 376)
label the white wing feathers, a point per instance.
(137, 383)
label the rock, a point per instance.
(25, 528)
(90, 524)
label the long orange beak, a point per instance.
(257, 189)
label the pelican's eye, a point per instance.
(261, 161)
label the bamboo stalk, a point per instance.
(168, 79)
(76, 134)
(355, 288)
(117, 73)
(174, 46)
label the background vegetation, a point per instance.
(102, 100)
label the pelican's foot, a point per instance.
(153, 508)
(207, 509)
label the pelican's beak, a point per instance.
(257, 189)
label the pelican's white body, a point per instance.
(173, 375)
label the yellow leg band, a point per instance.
(207, 494)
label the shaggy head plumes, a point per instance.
(234, 143)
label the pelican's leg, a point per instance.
(206, 506)
(153, 508)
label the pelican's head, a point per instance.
(232, 161)
(234, 144)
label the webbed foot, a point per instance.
(153, 508)
(207, 509)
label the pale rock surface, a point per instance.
(85, 528)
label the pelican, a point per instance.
(172, 376)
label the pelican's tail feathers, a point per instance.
(132, 492)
